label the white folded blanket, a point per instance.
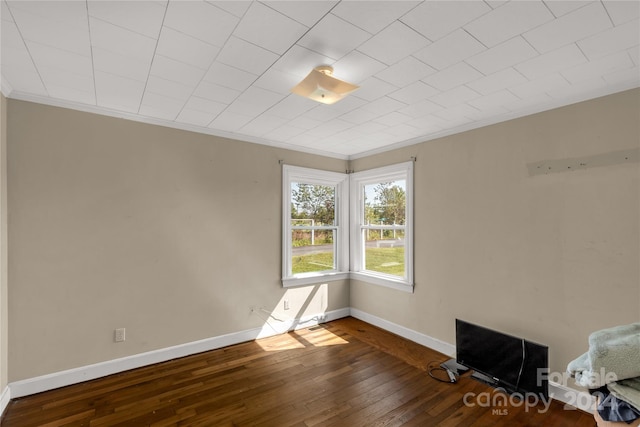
(614, 354)
(627, 390)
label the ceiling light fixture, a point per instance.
(321, 86)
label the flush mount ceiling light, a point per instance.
(321, 86)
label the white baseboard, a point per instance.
(97, 370)
(5, 397)
(418, 337)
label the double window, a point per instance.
(358, 225)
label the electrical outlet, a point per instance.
(119, 336)
(286, 304)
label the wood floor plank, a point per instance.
(343, 373)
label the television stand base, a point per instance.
(484, 379)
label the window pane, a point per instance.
(313, 205)
(384, 204)
(385, 255)
(312, 251)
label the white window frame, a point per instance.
(357, 182)
(340, 181)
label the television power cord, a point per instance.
(453, 378)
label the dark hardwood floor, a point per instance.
(343, 373)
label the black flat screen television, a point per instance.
(515, 364)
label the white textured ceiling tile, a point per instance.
(594, 69)
(450, 50)
(292, 106)
(534, 104)
(227, 76)
(235, 7)
(562, 7)
(262, 125)
(634, 53)
(373, 16)
(453, 76)
(58, 34)
(170, 69)
(333, 37)
(392, 119)
(230, 121)
(579, 90)
(305, 123)
(622, 11)
(194, 117)
(403, 130)
(384, 105)
(124, 66)
(269, 29)
(246, 56)
(160, 106)
(618, 38)
(329, 128)
(626, 76)
(498, 81)
(393, 43)
(62, 13)
(181, 47)
(494, 4)
(71, 94)
(360, 116)
(64, 78)
(508, 21)
(300, 61)
(494, 100)
(305, 12)
(420, 109)
(121, 41)
(205, 105)
(5, 13)
(548, 83)
(277, 81)
(504, 55)
(355, 67)
(284, 133)
(323, 113)
(405, 72)
(552, 62)
(455, 97)
(254, 101)
(171, 89)
(118, 93)
(200, 20)
(143, 17)
(453, 114)
(49, 57)
(217, 93)
(436, 19)
(373, 88)
(428, 123)
(574, 26)
(23, 80)
(414, 92)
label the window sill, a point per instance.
(383, 281)
(312, 279)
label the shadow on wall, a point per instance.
(298, 308)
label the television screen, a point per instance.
(514, 363)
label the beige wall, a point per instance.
(4, 334)
(170, 234)
(549, 257)
(174, 235)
